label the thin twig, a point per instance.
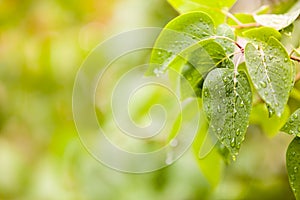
(295, 58)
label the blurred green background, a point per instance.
(42, 45)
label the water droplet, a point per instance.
(225, 79)
(276, 104)
(295, 169)
(285, 60)
(189, 77)
(205, 93)
(233, 157)
(232, 142)
(242, 104)
(293, 178)
(295, 116)
(173, 142)
(219, 130)
(266, 92)
(291, 132)
(262, 84)
(238, 132)
(219, 109)
(169, 159)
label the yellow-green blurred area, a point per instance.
(42, 45)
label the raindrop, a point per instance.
(173, 142)
(205, 93)
(242, 104)
(295, 169)
(219, 109)
(291, 132)
(169, 159)
(219, 130)
(238, 132)
(295, 116)
(262, 84)
(285, 60)
(232, 142)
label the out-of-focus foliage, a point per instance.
(42, 44)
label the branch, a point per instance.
(295, 58)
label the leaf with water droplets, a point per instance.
(211, 7)
(180, 33)
(224, 30)
(271, 72)
(277, 21)
(292, 126)
(262, 34)
(227, 101)
(293, 165)
(200, 59)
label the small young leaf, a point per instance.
(277, 21)
(293, 165)
(227, 101)
(262, 34)
(292, 126)
(226, 31)
(271, 72)
(179, 34)
(212, 7)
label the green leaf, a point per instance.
(277, 21)
(293, 165)
(262, 34)
(212, 7)
(269, 125)
(179, 34)
(201, 59)
(227, 101)
(225, 31)
(271, 72)
(211, 164)
(242, 17)
(292, 126)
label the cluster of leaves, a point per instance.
(205, 45)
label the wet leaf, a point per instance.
(212, 7)
(180, 33)
(201, 59)
(225, 31)
(271, 72)
(293, 165)
(277, 21)
(227, 101)
(292, 126)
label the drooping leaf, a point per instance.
(292, 126)
(269, 125)
(293, 165)
(225, 31)
(201, 59)
(277, 21)
(212, 161)
(179, 34)
(271, 72)
(212, 7)
(262, 34)
(227, 101)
